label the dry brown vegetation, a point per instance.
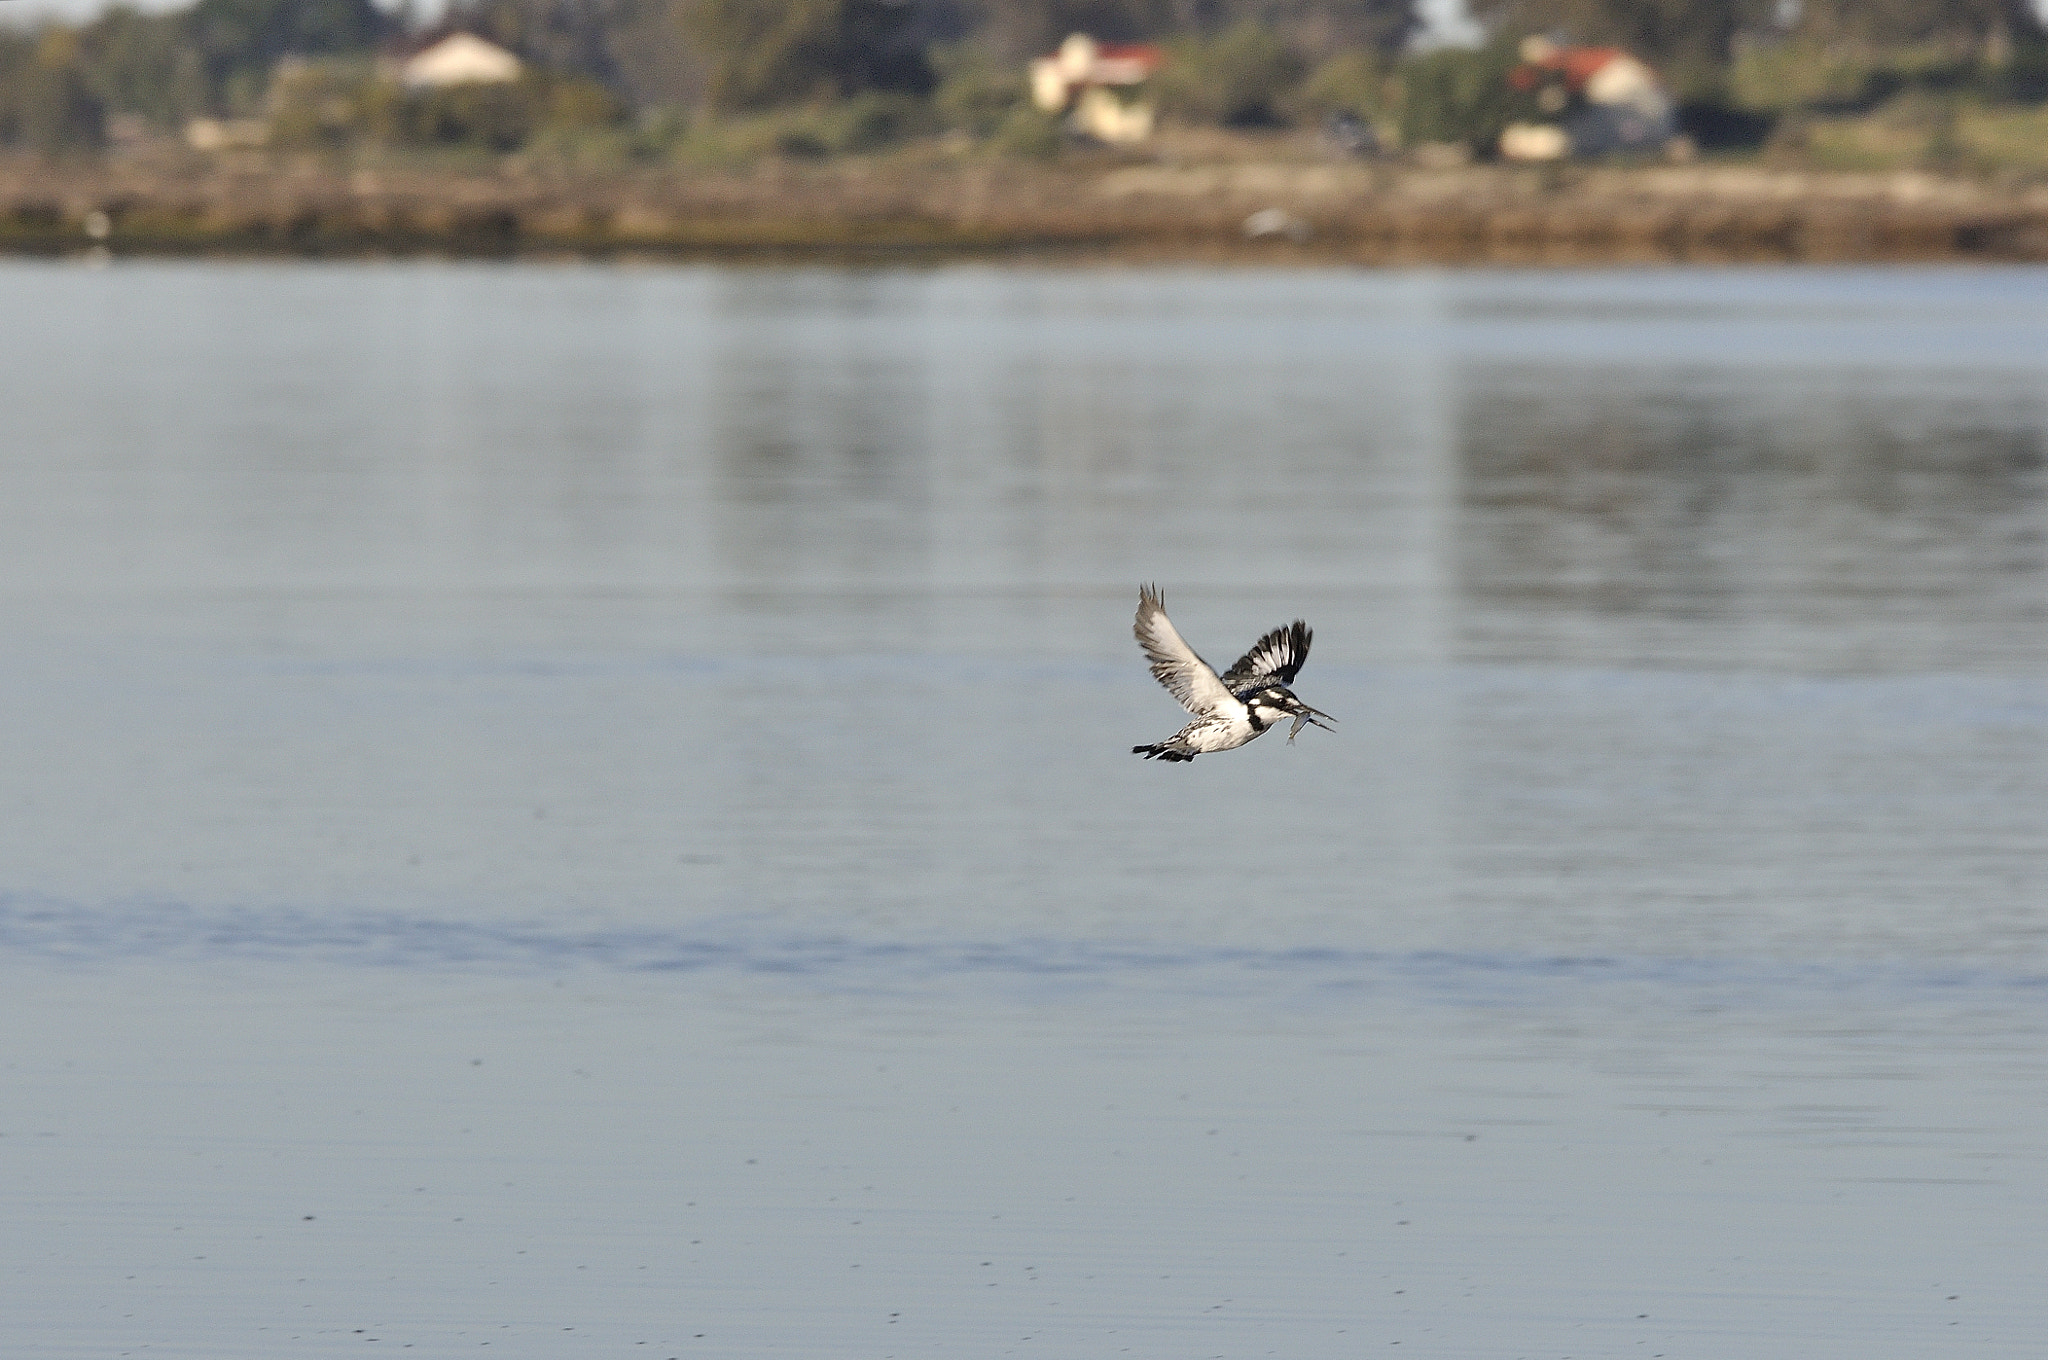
(1185, 200)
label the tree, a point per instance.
(141, 63)
(1239, 78)
(1971, 24)
(761, 53)
(44, 102)
(239, 41)
(1320, 29)
(1312, 29)
(1016, 30)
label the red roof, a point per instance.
(1575, 64)
(1149, 53)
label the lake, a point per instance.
(588, 811)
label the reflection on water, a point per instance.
(668, 723)
(1880, 521)
(1842, 449)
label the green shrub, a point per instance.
(1350, 82)
(1461, 96)
(587, 124)
(326, 104)
(581, 104)
(875, 119)
(1242, 77)
(344, 102)
(867, 122)
(1028, 134)
(499, 116)
(802, 143)
(1805, 73)
(976, 93)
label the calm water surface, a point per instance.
(589, 812)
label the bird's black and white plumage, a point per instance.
(1232, 708)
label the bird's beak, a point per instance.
(1304, 716)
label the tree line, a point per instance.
(848, 73)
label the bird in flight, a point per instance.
(1230, 709)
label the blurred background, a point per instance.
(1824, 84)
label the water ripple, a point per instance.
(41, 928)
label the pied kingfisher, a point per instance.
(1230, 709)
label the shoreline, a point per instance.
(898, 209)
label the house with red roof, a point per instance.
(1599, 100)
(1102, 88)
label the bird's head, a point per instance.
(1277, 702)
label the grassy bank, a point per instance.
(1187, 202)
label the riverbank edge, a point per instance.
(1242, 211)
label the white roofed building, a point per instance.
(459, 59)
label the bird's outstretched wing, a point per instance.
(1273, 660)
(1186, 676)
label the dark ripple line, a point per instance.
(36, 927)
